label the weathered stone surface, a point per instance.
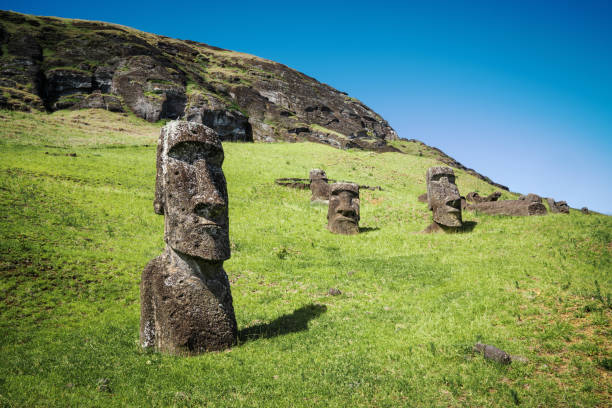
(585, 210)
(231, 125)
(534, 198)
(186, 303)
(509, 207)
(474, 197)
(493, 353)
(557, 206)
(241, 96)
(343, 210)
(100, 101)
(150, 89)
(292, 182)
(493, 196)
(67, 87)
(319, 187)
(443, 197)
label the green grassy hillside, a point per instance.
(77, 232)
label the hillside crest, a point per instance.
(49, 63)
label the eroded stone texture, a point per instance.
(474, 197)
(186, 303)
(343, 211)
(493, 353)
(534, 198)
(319, 186)
(557, 206)
(443, 198)
(509, 207)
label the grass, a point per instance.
(77, 232)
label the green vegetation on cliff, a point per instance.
(77, 232)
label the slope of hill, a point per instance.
(51, 64)
(77, 228)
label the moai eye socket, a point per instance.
(190, 152)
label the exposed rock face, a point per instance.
(53, 63)
(240, 96)
(557, 206)
(509, 207)
(186, 303)
(319, 186)
(585, 210)
(343, 210)
(443, 197)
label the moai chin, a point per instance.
(185, 299)
(319, 186)
(343, 211)
(443, 199)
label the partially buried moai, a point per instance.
(186, 303)
(343, 211)
(444, 200)
(319, 186)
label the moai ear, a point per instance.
(158, 202)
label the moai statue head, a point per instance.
(343, 211)
(318, 185)
(443, 197)
(191, 191)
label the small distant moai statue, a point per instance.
(444, 200)
(319, 186)
(558, 206)
(185, 299)
(343, 211)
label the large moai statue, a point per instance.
(319, 186)
(185, 299)
(343, 211)
(444, 200)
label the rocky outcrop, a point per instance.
(61, 62)
(51, 63)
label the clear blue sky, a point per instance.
(521, 91)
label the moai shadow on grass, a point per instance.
(343, 210)
(319, 186)
(185, 298)
(444, 200)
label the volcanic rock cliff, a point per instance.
(49, 63)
